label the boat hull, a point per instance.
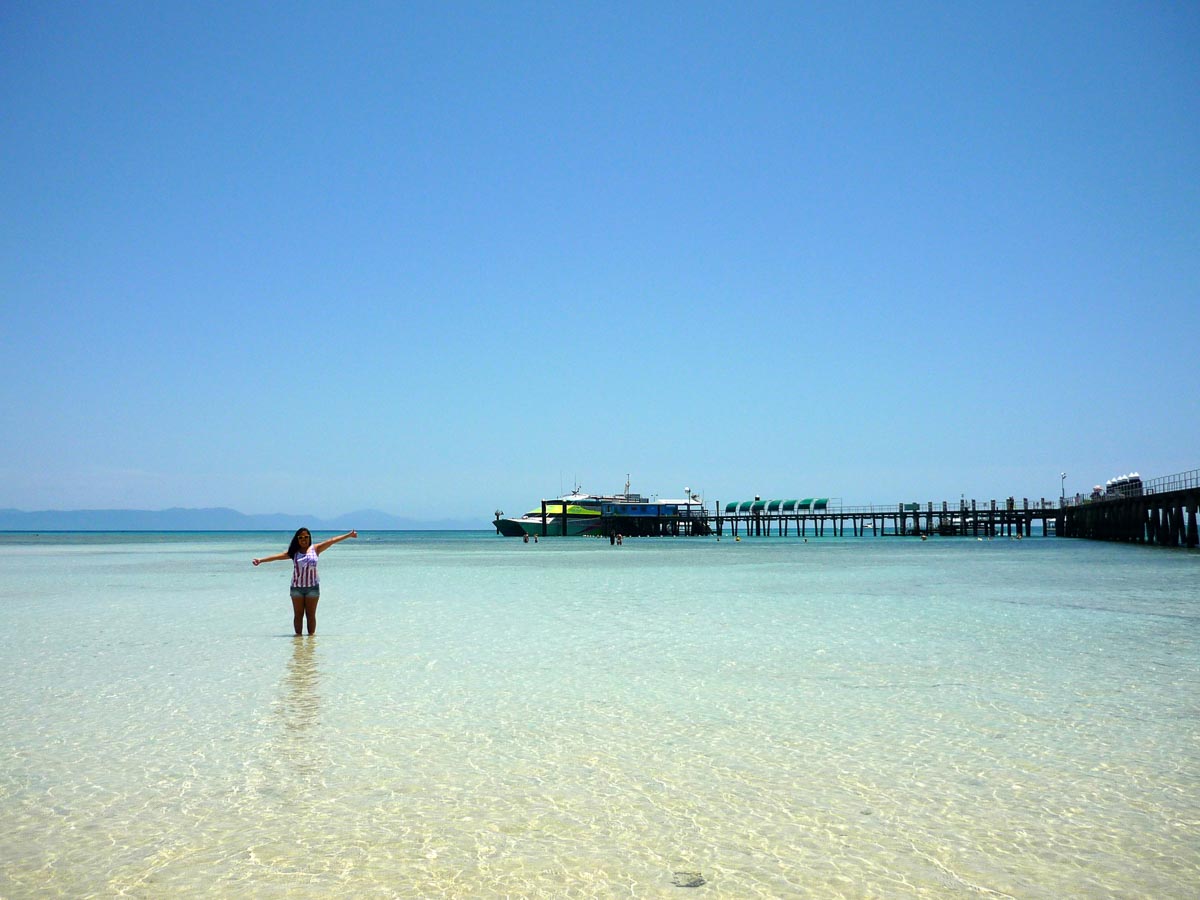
(508, 527)
(526, 525)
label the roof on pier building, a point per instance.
(815, 504)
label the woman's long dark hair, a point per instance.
(294, 546)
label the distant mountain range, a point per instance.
(218, 519)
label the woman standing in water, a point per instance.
(306, 589)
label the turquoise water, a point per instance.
(478, 717)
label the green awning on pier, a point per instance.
(815, 504)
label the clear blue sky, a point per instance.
(438, 258)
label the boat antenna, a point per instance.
(626, 484)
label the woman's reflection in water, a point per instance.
(284, 772)
(299, 705)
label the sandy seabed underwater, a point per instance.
(478, 717)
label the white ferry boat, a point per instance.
(591, 513)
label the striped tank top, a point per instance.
(304, 569)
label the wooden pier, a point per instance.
(1009, 518)
(1162, 512)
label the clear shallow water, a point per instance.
(477, 717)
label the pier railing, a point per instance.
(1181, 481)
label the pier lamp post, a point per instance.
(1063, 495)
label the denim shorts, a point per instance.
(306, 593)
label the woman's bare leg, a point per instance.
(310, 613)
(298, 614)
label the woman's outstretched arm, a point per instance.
(325, 545)
(276, 558)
